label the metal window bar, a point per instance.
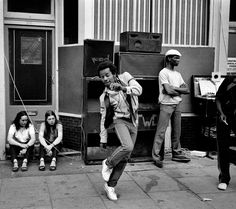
(181, 22)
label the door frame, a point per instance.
(36, 112)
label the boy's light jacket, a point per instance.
(117, 99)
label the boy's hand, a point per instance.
(115, 87)
(103, 145)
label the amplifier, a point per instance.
(140, 64)
(95, 52)
(140, 42)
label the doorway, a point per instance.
(30, 76)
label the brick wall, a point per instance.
(71, 132)
(190, 132)
(192, 138)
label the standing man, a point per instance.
(226, 122)
(119, 105)
(171, 87)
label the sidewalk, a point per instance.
(143, 186)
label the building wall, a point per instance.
(2, 87)
(218, 38)
(191, 137)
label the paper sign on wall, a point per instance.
(231, 65)
(207, 88)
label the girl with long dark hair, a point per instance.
(50, 138)
(21, 137)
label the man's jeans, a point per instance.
(127, 134)
(173, 113)
(223, 144)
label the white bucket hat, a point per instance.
(173, 52)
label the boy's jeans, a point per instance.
(127, 133)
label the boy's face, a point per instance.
(106, 76)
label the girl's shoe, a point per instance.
(24, 165)
(42, 165)
(15, 167)
(53, 166)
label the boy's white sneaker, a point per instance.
(106, 171)
(111, 194)
(222, 186)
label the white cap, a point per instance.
(173, 52)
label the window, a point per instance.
(181, 22)
(30, 6)
(29, 9)
(30, 61)
(232, 14)
(71, 22)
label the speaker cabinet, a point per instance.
(95, 52)
(140, 64)
(140, 42)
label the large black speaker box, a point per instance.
(140, 64)
(140, 42)
(95, 52)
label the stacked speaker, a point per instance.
(140, 42)
(95, 52)
(140, 55)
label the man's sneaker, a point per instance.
(110, 192)
(180, 158)
(158, 163)
(232, 148)
(222, 186)
(106, 171)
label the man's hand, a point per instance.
(223, 118)
(170, 90)
(183, 85)
(164, 91)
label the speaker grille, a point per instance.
(95, 52)
(140, 64)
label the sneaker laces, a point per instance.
(112, 189)
(184, 151)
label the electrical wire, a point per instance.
(24, 107)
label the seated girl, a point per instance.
(50, 138)
(21, 137)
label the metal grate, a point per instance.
(182, 22)
(115, 16)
